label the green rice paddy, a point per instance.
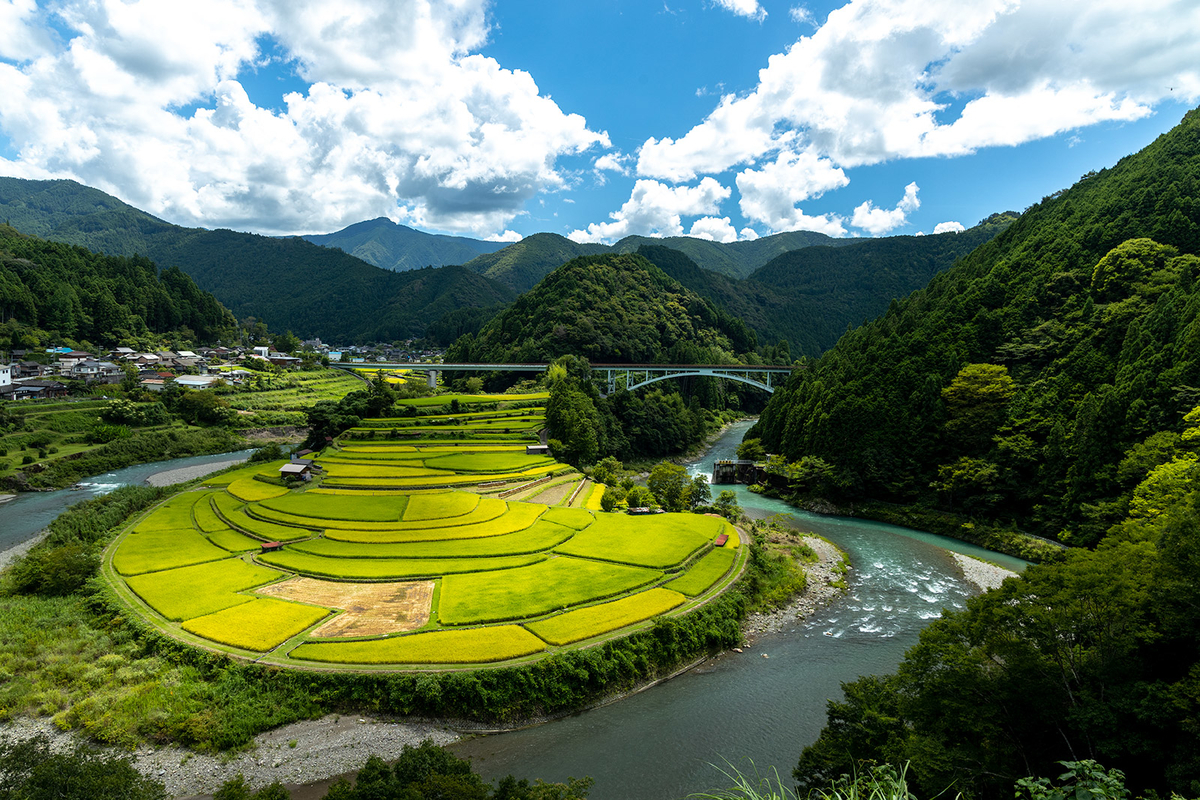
(474, 646)
(190, 592)
(379, 569)
(259, 625)
(503, 579)
(575, 626)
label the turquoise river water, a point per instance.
(28, 513)
(744, 710)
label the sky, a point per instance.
(594, 119)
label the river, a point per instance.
(744, 710)
(28, 513)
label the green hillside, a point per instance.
(75, 294)
(808, 297)
(606, 308)
(1034, 382)
(521, 265)
(399, 248)
(290, 284)
(733, 259)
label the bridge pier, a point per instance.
(433, 373)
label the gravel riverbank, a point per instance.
(293, 754)
(819, 592)
(981, 574)
(184, 474)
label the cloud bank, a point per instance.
(144, 99)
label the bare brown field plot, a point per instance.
(369, 609)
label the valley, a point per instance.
(491, 549)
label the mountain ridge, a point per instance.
(293, 284)
(399, 248)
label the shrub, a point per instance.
(54, 571)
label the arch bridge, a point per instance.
(634, 376)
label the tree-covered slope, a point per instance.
(609, 309)
(733, 259)
(522, 264)
(80, 295)
(399, 248)
(290, 284)
(1027, 382)
(809, 297)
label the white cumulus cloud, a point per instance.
(881, 220)
(401, 117)
(769, 195)
(882, 80)
(714, 229)
(656, 209)
(744, 8)
(949, 227)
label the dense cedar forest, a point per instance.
(1037, 380)
(289, 284)
(1049, 381)
(809, 297)
(799, 287)
(83, 296)
(522, 264)
(802, 288)
(609, 309)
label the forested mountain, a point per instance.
(609, 309)
(521, 265)
(288, 283)
(79, 295)
(1037, 380)
(733, 259)
(397, 247)
(808, 297)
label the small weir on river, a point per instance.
(671, 740)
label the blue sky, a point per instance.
(595, 119)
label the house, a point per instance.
(197, 381)
(68, 360)
(153, 384)
(96, 371)
(29, 369)
(280, 360)
(6, 375)
(302, 471)
(537, 449)
(37, 390)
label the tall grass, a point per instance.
(879, 782)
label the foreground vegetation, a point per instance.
(32, 770)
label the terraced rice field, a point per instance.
(384, 574)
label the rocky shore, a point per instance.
(293, 754)
(980, 574)
(184, 474)
(822, 576)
